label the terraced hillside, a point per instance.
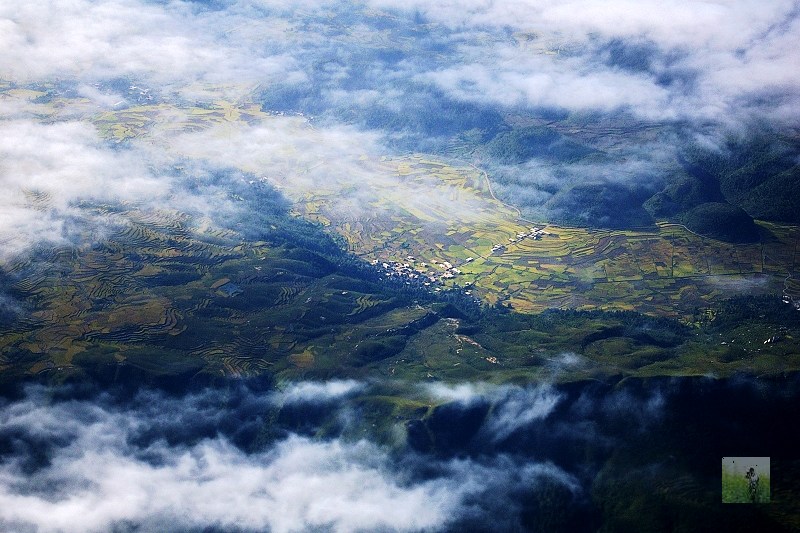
(168, 299)
(666, 270)
(163, 297)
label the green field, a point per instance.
(735, 489)
(667, 271)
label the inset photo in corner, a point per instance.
(745, 480)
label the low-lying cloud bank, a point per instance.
(157, 463)
(380, 76)
(660, 60)
(65, 185)
(297, 485)
(700, 61)
(512, 408)
(172, 45)
(46, 170)
(483, 457)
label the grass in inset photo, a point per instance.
(745, 480)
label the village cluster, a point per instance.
(144, 94)
(794, 302)
(417, 271)
(422, 273)
(534, 233)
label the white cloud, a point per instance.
(57, 176)
(737, 60)
(283, 147)
(299, 485)
(567, 360)
(339, 163)
(676, 22)
(519, 407)
(319, 391)
(513, 407)
(46, 169)
(465, 393)
(164, 44)
(735, 50)
(513, 78)
(100, 475)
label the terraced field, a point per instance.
(666, 270)
(215, 304)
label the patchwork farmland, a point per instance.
(665, 270)
(439, 211)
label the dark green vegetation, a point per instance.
(721, 221)
(161, 300)
(758, 174)
(714, 191)
(523, 144)
(720, 190)
(605, 205)
(568, 345)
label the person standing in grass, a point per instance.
(752, 480)
(745, 480)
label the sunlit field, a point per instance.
(736, 485)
